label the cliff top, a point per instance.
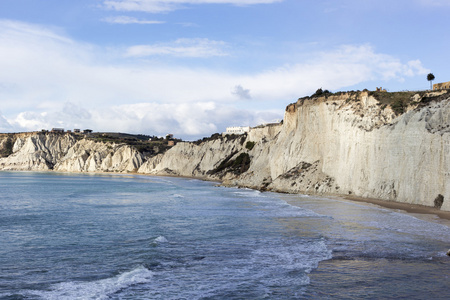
(145, 144)
(397, 101)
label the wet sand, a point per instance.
(409, 208)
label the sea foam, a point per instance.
(100, 289)
(160, 239)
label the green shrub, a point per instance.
(249, 145)
(238, 166)
(241, 159)
(242, 163)
(320, 92)
(398, 107)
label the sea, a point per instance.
(112, 236)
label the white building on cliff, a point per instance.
(237, 130)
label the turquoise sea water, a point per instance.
(70, 236)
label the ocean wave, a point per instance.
(245, 192)
(303, 255)
(160, 239)
(100, 289)
(177, 196)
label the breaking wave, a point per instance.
(100, 289)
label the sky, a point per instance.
(194, 67)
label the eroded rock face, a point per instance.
(90, 156)
(189, 159)
(62, 152)
(38, 152)
(379, 155)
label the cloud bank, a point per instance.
(50, 80)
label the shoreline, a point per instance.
(406, 207)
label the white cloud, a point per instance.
(186, 120)
(129, 20)
(181, 48)
(49, 80)
(159, 6)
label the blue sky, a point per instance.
(194, 67)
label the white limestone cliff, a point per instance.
(337, 146)
(37, 152)
(192, 160)
(343, 144)
(91, 156)
(62, 152)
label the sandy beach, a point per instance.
(409, 208)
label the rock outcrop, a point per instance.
(192, 160)
(38, 152)
(62, 152)
(350, 143)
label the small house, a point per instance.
(441, 86)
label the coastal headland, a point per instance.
(366, 145)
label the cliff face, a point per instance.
(340, 144)
(355, 147)
(345, 144)
(37, 152)
(62, 152)
(189, 159)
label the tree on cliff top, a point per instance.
(430, 78)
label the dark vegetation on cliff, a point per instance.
(249, 145)
(237, 166)
(7, 147)
(145, 144)
(226, 138)
(398, 101)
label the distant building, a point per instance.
(441, 86)
(61, 130)
(380, 89)
(87, 131)
(237, 130)
(77, 130)
(171, 143)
